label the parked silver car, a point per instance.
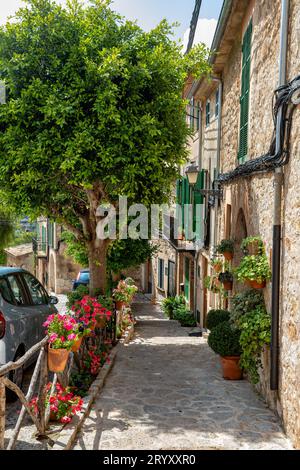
(24, 306)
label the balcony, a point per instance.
(40, 247)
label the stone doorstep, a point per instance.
(68, 434)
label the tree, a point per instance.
(94, 110)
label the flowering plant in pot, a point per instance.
(217, 264)
(226, 248)
(91, 313)
(225, 341)
(63, 403)
(254, 270)
(63, 331)
(227, 280)
(124, 294)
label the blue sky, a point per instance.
(147, 12)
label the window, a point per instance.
(37, 292)
(17, 291)
(207, 113)
(5, 291)
(191, 114)
(217, 104)
(161, 272)
(244, 99)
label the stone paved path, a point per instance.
(166, 392)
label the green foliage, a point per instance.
(224, 340)
(254, 268)
(226, 246)
(81, 381)
(171, 303)
(129, 253)
(255, 335)
(244, 303)
(76, 249)
(215, 317)
(76, 295)
(252, 241)
(184, 316)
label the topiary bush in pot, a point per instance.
(215, 317)
(225, 340)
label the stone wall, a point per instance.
(167, 253)
(254, 196)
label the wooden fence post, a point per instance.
(42, 391)
(2, 413)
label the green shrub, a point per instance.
(184, 316)
(76, 295)
(255, 334)
(224, 340)
(254, 268)
(171, 303)
(253, 240)
(215, 317)
(244, 303)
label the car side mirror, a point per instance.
(53, 300)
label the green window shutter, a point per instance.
(245, 91)
(186, 200)
(50, 234)
(192, 114)
(187, 279)
(178, 201)
(198, 199)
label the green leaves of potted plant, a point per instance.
(253, 246)
(217, 264)
(224, 340)
(254, 270)
(227, 280)
(226, 248)
(215, 317)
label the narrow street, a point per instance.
(166, 392)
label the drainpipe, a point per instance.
(218, 152)
(277, 231)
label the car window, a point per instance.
(84, 277)
(17, 291)
(38, 293)
(5, 291)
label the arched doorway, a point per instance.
(240, 233)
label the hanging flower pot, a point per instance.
(256, 284)
(253, 246)
(228, 285)
(120, 304)
(231, 368)
(57, 359)
(227, 280)
(228, 255)
(76, 345)
(226, 248)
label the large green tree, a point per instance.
(94, 110)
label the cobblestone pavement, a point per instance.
(166, 392)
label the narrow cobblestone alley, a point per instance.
(166, 392)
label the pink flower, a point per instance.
(53, 337)
(71, 336)
(62, 338)
(66, 419)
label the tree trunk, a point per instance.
(97, 265)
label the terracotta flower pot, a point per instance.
(256, 285)
(53, 416)
(228, 285)
(231, 368)
(218, 268)
(76, 345)
(120, 304)
(228, 255)
(254, 248)
(57, 359)
(101, 322)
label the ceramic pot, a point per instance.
(228, 255)
(231, 368)
(76, 345)
(228, 285)
(120, 304)
(101, 322)
(256, 285)
(57, 359)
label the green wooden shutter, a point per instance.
(44, 238)
(244, 99)
(187, 279)
(198, 199)
(186, 201)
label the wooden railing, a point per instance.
(41, 373)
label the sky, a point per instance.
(149, 12)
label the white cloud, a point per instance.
(204, 32)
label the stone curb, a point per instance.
(68, 435)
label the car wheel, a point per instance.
(15, 376)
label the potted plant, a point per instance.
(217, 264)
(227, 280)
(64, 332)
(254, 270)
(91, 313)
(225, 341)
(253, 246)
(226, 248)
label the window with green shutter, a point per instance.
(207, 113)
(245, 91)
(198, 200)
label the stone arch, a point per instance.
(52, 274)
(240, 232)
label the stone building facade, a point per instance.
(248, 35)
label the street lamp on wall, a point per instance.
(192, 173)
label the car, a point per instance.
(83, 278)
(24, 306)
